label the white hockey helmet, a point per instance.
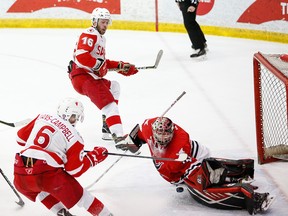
(100, 13)
(163, 131)
(69, 107)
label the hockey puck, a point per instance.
(179, 189)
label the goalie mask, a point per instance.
(163, 130)
(100, 13)
(71, 110)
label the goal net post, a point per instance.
(271, 106)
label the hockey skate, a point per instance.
(261, 203)
(205, 47)
(198, 53)
(64, 212)
(106, 134)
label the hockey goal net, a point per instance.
(271, 112)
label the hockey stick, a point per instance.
(178, 98)
(157, 61)
(20, 202)
(91, 185)
(181, 157)
(158, 58)
(16, 124)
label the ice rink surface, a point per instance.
(218, 111)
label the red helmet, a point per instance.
(163, 131)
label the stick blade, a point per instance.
(21, 203)
(159, 56)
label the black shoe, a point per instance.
(64, 212)
(106, 133)
(198, 52)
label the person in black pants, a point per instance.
(197, 38)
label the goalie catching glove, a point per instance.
(96, 156)
(126, 69)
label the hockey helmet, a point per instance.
(100, 13)
(70, 107)
(163, 131)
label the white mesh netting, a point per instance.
(273, 93)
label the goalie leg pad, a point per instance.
(241, 168)
(213, 172)
(231, 197)
(209, 173)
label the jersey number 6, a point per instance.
(42, 138)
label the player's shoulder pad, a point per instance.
(91, 31)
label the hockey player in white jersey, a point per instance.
(53, 156)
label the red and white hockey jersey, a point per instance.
(90, 47)
(174, 171)
(50, 138)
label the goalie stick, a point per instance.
(20, 202)
(16, 124)
(157, 61)
(177, 99)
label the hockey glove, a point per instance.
(97, 155)
(100, 69)
(126, 69)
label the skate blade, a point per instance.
(268, 202)
(107, 136)
(199, 58)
